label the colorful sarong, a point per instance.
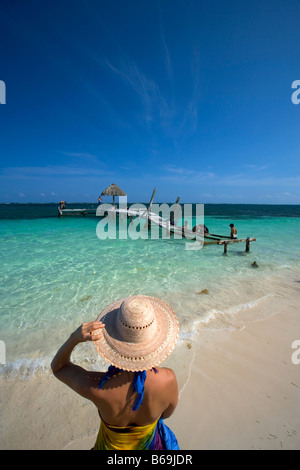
(155, 436)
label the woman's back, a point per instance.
(116, 398)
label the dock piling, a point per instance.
(248, 244)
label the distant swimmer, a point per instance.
(233, 232)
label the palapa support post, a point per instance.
(113, 190)
(248, 244)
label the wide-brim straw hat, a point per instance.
(140, 332)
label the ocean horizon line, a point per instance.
(163, 202)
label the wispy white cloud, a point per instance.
(31, 172)
(255, 181)
(177, 120)
(252, 167)
(165, 49)
(176, 116)
(80, 155)
(184, 175)
(244, 180)
(153, 103)
(86, 158)
(190, 119)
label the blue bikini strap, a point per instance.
(138, 383)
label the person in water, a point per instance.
(134, 396)
(233, 231)
(201, 228)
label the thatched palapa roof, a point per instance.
(113, 190)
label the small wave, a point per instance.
(228, 318)
(26, 368)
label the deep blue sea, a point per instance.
(56, 273)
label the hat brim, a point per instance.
(143, 355)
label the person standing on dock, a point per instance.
(233, 231)
(99, 200)
(62, 205)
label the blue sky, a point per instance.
(191, 97)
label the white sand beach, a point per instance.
(243, 393)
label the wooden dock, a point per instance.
(247, 240)
(72, 212)
(153, 218)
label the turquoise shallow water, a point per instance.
(56, 273)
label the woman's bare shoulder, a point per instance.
(164, 385)
(162, 375)
(166, 371)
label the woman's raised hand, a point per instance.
(88, 332)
